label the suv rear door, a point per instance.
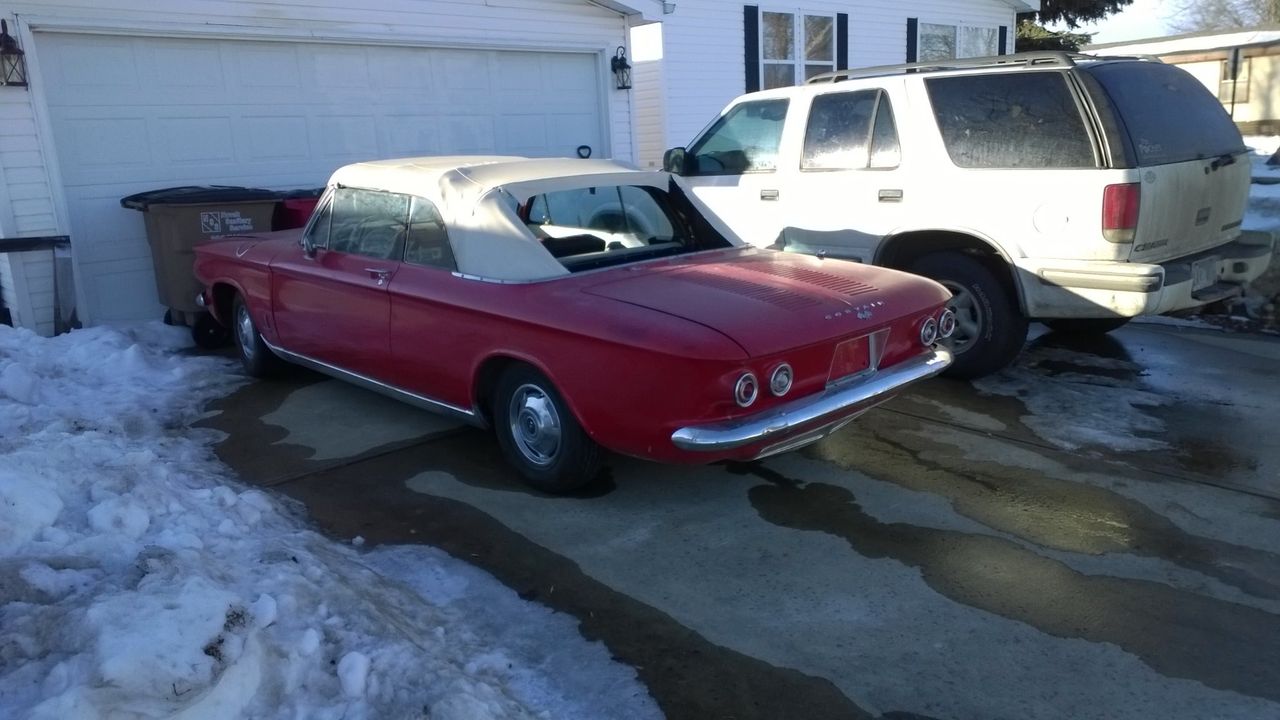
(1194, 166)
(849, 192)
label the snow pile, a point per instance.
(137, 581)
(1101, 405)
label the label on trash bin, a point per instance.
(222, 221)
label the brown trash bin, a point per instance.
(180, 218)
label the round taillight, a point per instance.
(946, 324)
(780, 380)
(929, 332)
(745, 392)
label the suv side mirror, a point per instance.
(673, 160)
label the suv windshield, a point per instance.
(1169, 115)
(594, 227)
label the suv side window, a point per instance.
(371, 223)
(743, 140)
(1011, 120)
(850, 131)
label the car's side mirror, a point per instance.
(673, 160)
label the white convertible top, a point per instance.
(476, 195)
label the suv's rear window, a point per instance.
(1010, 120)
(1169, 115)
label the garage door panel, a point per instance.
(523, 134)
(102, 143)
(120, 292)
(134, 114)
(353, 138)
(178, 66)
(408, 135)
(340, 68)
(401, 69)
(469, 135)
(276, 137)
(263, 65)
(190, 140)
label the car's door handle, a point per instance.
(768, 194)
(890, 196)
(380, 274)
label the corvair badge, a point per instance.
(863, 312)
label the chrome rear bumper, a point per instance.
(833, 408)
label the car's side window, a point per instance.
(318, 233)
(428, 242)
(886, 151)
(371, 223)
(850, 131)
(743, 140)
(1011, 120)
(838, 135)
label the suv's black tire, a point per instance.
(572, 462)
(258, 359)
(1086, 326)
(996, 327)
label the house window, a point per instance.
(949, 42)
(795, 46)
(1236, 90)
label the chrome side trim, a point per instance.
(471, 417)
(835, 405)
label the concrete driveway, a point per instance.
(1094, 533)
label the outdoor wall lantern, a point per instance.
(621, 69)
(13, 69)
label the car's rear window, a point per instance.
(1169, 116)
(1011, 120)
(591, 227)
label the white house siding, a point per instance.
(649, 95)
(37, 205)
(703, 45)
(26, 209)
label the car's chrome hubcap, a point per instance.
(244, 331)
(969, 317)
(535, 425)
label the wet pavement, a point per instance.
(1094, 533)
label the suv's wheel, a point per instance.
(990, 329)
(1086, 326)
(258, 359)
(539, 435)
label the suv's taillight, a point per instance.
(1120, 212)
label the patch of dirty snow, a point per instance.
(968, 418)
(1079, 409)
(139, 580)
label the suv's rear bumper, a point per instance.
(1085, 289)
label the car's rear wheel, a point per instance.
(990, 328)
(1086, 326)
(539, 435)
(258, 359)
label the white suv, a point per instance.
(1074, 190)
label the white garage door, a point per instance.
(133, 114)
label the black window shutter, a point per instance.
(842, 41)
(913, 27)
(1004, 40)
(751, 45)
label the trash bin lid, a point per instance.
(196, 195)
(302, 193)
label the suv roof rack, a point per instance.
(1047, 58)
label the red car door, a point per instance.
(333, 305)
(432, 339)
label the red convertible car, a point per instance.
(573, 306)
